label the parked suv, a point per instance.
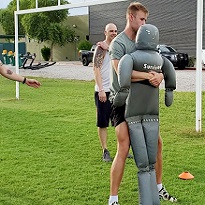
(179, 60)
(85, 56)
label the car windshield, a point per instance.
(167, 49)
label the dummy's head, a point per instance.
(147, 37)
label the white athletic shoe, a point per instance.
(115, 203)
(163, 194)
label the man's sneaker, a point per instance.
(163, 194)
(115, 203)
(106, 156)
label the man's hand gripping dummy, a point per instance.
(142, 106)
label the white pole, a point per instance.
(36, 3)
(59, 2)
(17, 5)
(199, 64)
(16, 52)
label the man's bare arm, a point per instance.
(7, 73)
(103, 45)
(156, 79)
(98, 57)
(98, 61)
(115, 63)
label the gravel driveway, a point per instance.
(186, 79)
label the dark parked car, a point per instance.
(85, 56)
(179, 60)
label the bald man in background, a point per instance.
(102, 69)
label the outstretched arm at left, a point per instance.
(7, 73)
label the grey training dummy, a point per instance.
(142, 106)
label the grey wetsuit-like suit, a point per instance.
(142, 106)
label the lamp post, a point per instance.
(76, 39)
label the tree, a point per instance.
(44, 26)
(7, 21)
(7, 17)
(50, 25)
(84, 45)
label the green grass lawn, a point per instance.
(50, 153)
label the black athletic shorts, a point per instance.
(103, 111)
(117, 115)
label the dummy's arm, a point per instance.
(170, 81)
(125, 67)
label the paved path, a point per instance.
(186, 79)
(64, 70)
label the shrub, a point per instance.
(84, 45)
(192, 61)
(46, 53)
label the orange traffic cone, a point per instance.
(186, 175)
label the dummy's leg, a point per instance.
(145, 192)
(144, 140)
(141, 159)
(151, 132)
